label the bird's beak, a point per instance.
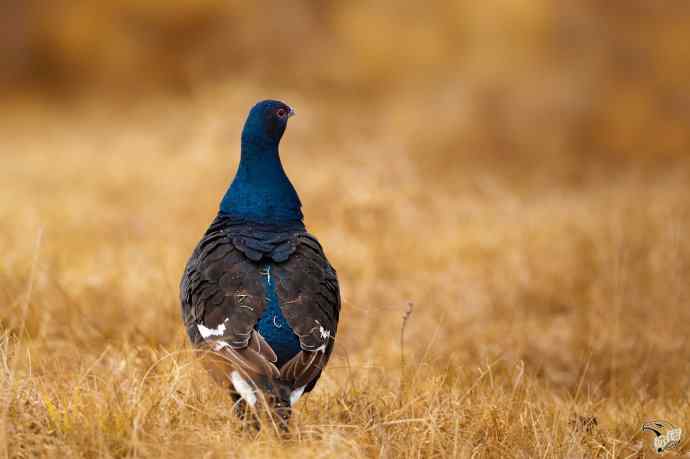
(291, 112)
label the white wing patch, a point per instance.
(207, 332)
(244, 388)
(296, 394)
(325, 334)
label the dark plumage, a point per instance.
(258, 291)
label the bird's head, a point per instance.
(266, 123)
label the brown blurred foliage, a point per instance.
(592, 78)
(517, 169)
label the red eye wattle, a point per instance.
(281, 112)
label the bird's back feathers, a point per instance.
(224, 298)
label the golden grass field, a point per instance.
(517, 171)
(542, 298)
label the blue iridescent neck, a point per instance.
(261, 191)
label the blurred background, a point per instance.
(598, 79)
(517, 169)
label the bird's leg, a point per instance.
(245, 413)
(278, 400)
(281, 414)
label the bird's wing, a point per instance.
(307, 288)
(222, 298)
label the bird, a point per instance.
(258, 294)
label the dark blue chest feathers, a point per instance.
(272, 325)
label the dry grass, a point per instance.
(545, 291)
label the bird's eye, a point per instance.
(281, 112)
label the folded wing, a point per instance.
(307, 287)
